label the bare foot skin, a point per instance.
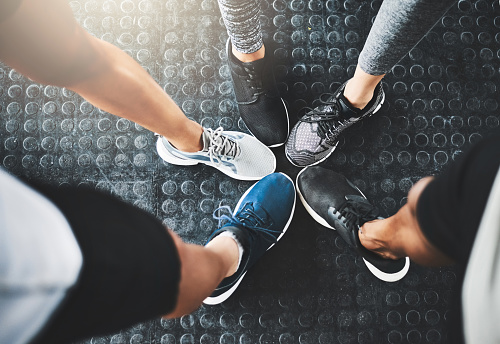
(400, 235)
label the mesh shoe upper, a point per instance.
(315, 136)
(236, 154)
(261, 109)
(334, 201)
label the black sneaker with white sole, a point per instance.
(261, 108)
(336, 203)
(259, 220)
(315, 136)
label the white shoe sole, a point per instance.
(166, 156)
(169, 158)
(386, 277)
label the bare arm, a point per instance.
(43, 41)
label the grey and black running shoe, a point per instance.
(238, 155)
(261, 108)
(336, 203)
(315, 136)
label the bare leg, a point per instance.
(202, 270)
(400, 235)
(43, 41)
(359, 90)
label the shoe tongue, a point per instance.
(256, 65)
(206, 141)
(347, 110)
(228, 147)
(363, 206)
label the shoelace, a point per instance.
(254, 82)
(245, 218)
(355, 211)
(220, 145)
(327, 117)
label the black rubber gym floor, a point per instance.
(310, 288)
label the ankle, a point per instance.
(360, 88)
(227, 249)
(358, 95)
(189, 139)
(234, 267)
(259, 54)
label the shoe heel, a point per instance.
(166, 156)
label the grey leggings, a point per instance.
(399, 26)
(241, 18)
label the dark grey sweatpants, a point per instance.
(399, 26)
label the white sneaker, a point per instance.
(235, 154)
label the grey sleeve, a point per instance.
(398, 27)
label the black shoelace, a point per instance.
(327, 117)
(355, 211)
(254, 81)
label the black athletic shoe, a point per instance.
(260, 219)
(315, 136)
(334, 202)
(260, 105)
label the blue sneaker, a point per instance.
(259, 220)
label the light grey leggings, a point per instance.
(399, 26)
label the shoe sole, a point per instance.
(224, 296)
(334, 147)
(169, 158)
(386, 277)
(166, 156)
